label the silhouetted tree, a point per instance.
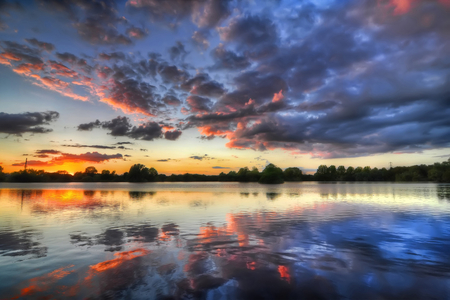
(272, 175)
(292, 174)
(140, 173)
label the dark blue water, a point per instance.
(224, 241)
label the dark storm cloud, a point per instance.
(41, 45)
(96, 33)
(147, 131)
(90, 146)
(199, 104)
(206, 157)
(121, 126)
(118, 126)
(113, 55)
(22, 52)
(136, 32)
(48, 151)
(253, 85)
(171, 74)
(250, 30)
(201, 84)
(95, 21)
(177, 52)
(228, 60)
(32, 122)
(171, 100)
(132, 95)
(205, 13)
(124, 143)
(89, 126)
(172, 135)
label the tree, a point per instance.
(340, 173)
(332, 172)
(139, 173)
(322, 173)
(272, 175)
(292, 174)
(90, 171)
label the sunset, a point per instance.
(224, 149)
(198, 86)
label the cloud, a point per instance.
(131, 96)
(205, 13)
(147, 131)
(137, 33)
(198, 104)
(61, 158)
(164, 160)
(217, 167)
(121, 126)
(200, 40)
(118, 126)
(95, 21)
(228, 60)
(201, 84)
(18, 52)
(177, 52)
(28, 122)
(204, 157)
(48, 151)
(124, 143)
(172, 135)
(250, 30)
(41, 45)
(171, 100)
(90, 146)
(89, 126)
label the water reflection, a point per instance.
(443, 192)
(21, 242)
(318, 242)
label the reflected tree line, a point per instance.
(437, 172)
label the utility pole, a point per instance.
(26, 161)
(390, 165)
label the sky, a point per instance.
(209, 86)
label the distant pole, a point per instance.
(26, 161)
(390, 165)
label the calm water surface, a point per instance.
(224, 241)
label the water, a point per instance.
(224, 241)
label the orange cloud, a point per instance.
(277, 97)
(10, 56)
(57, 85)
(91, 157)
(27, 69)
(61, 70)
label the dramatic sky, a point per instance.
(205, 86)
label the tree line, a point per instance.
(438, 172)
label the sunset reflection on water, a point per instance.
(242, 242)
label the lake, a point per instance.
(224, 241)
